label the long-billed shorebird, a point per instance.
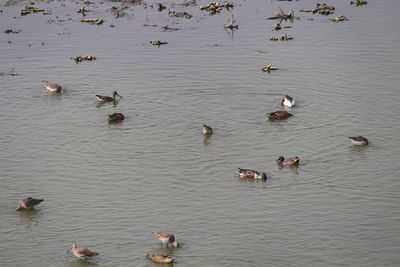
(82, 253)
(108, 98)
(166, 238)
(359, 140)
(28, 203)
(52, 87)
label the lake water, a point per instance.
(108, 186)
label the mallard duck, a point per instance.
(288, 101)
(207, 130)
(359, 140)
(116, 117)
(159, 258)
(251, 174)
(288, 162)
(28, 203)
(52, 87)
(82, 253)
(166, 238)
(279, 115)
(108, 98)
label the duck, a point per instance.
(288, 101)
(359, 140)
(166, 238)
(251, 174)
(28, 203)
(288, 162)
(82, 253)
(207, 130)
(52, 87)
(279, 115)
(159, 258)
(108, 98)
(116, 117)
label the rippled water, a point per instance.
(109, 186)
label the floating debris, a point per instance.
(167, 28)
(283, 16)
(84, 58)
(262, 51)
(186, 3)
(277, 27)
(119, 12)
(96, 21)
(230, 23)
(283, 37)
(339, 18)
(359, 2)
(158, 42)
(184, 14)
(82, 10)
(11, 31)
(322, 9)
(10, 73)
(216, 7)
(268, 68)
(160, 7)
(30, 9)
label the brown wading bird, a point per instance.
(82, 253)
(166, 238)
(28, 203)
(288, 162)
(52, 87)
(279, 115)
(160, 258)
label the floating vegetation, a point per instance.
(30, 9)
(167, 28)
(268, 68)
(339, 18)
(216, 7)
(158, 42)
(359, 2)
(322, 9)
(11, 31)
(96, 21)
(82, 10)
(230, 23)
(84, 58)
(283, 16)
(277, 27)
(184, 14)
(118, 12)
(160, 7)
(283, 37)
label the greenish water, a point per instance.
(107, 187)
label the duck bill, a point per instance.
(68, 251)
